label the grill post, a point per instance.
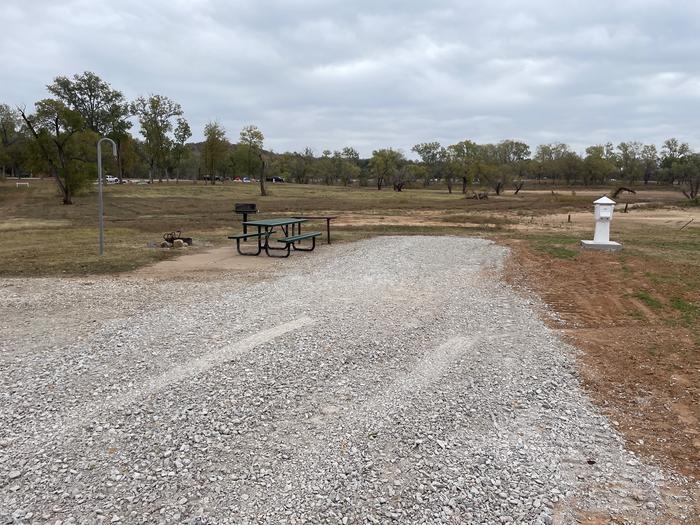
(244, 208)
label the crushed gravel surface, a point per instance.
(394, 380)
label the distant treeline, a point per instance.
(58, 137)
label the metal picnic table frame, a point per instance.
(268, 225)
(327, 218)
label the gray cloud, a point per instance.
(327, 74)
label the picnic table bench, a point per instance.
(290, 242)
(245, 236)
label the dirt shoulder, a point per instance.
(641, 348)
(209, 263)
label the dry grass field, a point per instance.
(634, 314)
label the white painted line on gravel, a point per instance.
(427, 370)
(79, 416)
(207, 361)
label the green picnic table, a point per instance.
(266, 227)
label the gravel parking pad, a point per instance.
(391, 380)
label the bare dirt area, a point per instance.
(640, 362)
(206, 263)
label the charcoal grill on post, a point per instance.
(244, 208)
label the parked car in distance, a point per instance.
(246, 179)
(274, 179)
(109, 179)
(237, 179)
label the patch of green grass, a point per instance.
(689, 311)
(557, 245)
(684, 306)
(636, 314)
(657, 278)
(43, 237)
(553, 238)
(476, 219)
(558, 251)
(648, 300)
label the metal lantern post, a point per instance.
(99, 185)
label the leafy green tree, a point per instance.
(650, 162)
(93, 98)
(512, 157)
(432, 154)
(465, 154)
(337, 171)
(104, 109)
(245, 161)
(350, 166)
(61, 144)
(630, 160)
(512, 152)
(570, 165)
(323, 168)
(596, 167)
(300, 165)
(179, 151)
(449, 167)
(673, 151)
(548, 160)
(130, 156)
(252, 138)
(352, 172)
(214, 150)
(691, 180)
(351, 155)
(11, 140)
(674, 155)
(489, 167)
(156, 114)
(385, 164)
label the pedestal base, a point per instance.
(610, 246)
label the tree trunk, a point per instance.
(380, 182)
(263, 192)
(250, 174)
(449, 185)
(65, 183)
(67, 197)
(120, 166)
(464, 185)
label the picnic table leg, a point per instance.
(261, 246)
(285, 231)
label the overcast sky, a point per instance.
(372, 73)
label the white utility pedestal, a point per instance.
(604, 208)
